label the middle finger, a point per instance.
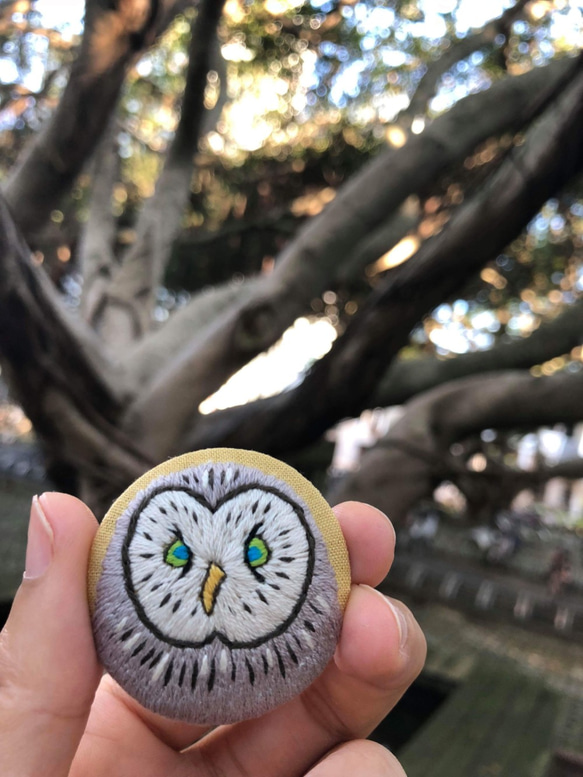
(381, 651)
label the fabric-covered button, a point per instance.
(217, 585)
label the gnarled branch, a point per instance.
(315, 256)
(406, 378)
(550, 156)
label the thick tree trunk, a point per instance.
(107, 430)
(54, 370)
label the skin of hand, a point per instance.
(59, 716)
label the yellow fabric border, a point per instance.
(321, 511)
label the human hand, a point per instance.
(59, 717)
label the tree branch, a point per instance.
(395, 477)
(550, 156)
(381, 240)
(124, 312)
(96, 250)
(460, 50)
(151, 355)
(112, 39)
(405, 379)
(308, 264)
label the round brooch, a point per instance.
(217, 584)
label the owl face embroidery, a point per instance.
(215, 597)
(236, 572)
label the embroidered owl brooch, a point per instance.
(217, 584)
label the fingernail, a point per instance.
(401, 621)
(398, 615)
(39, 547)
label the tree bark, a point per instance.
(150, 356)
(382, 239)
(96, 252)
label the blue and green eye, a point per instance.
(257, 552)
(178, 554)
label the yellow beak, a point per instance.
(210, 587)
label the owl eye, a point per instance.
(257, 552)
(178, 554)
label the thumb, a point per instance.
(48, 668)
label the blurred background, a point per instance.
(348, 233)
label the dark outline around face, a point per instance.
(152, 628)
